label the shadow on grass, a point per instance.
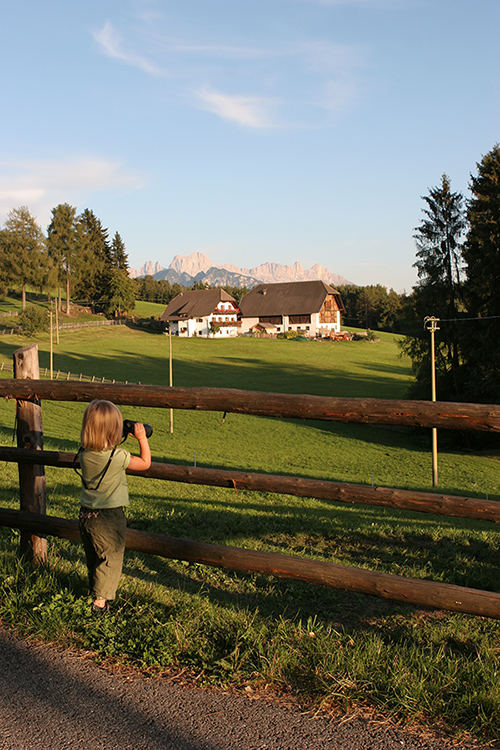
(245, 372)
(231, 590)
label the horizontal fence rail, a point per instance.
(384, 585)
(322, 489)
(441, 414)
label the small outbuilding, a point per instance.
(202, 312)
(312, 308)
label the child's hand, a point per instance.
(139, 431)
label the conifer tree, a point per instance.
(480, 338)
(94, 259)
(438, 292)
(61, 244)
(121, 293)
(119, 258)
(24, 249)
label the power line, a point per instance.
(458, 320)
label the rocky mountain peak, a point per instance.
(192, 264)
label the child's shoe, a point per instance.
(99, 611)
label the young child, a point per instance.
(104, 495)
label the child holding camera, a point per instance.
(104, 495)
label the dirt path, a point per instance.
(53, 698)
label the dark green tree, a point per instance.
(237, 292)
(439, 245)
(373, 306)
(121, 293)
(6, 274)
(119, 258)
(93, 260)
(24, 250)
(34, 319)
(61, 246)
(479, 339)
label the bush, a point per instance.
(290, 334)
(33, 319)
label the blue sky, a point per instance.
(250, 130)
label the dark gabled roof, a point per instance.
(195, 303)
(287, 298)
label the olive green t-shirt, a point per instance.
(113, 490)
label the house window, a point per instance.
(199, 320)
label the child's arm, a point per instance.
(142, 462)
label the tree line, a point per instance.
(75, 253)
(458, 267)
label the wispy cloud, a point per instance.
(328, 57)
(43, 184)
(381, 4)
(208, 68)
(231, 52)
(111, 45)
(249, 111)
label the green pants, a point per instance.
(103, 535)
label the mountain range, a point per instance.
(186, 269)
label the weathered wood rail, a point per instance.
(322, 489)
(442, 414)
(384, 585)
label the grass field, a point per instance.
(335, 648)
(148, 309)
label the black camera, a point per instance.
(128, 428)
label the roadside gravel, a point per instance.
(57, 699)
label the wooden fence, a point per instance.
(66, 375)
(31, 459)
(64, 326)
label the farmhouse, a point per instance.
(311, 307)
(202, 312)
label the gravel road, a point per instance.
(56, 699)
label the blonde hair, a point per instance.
(102, 426)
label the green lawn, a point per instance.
(331, 646)
(148, 309)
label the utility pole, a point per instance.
(170, 378)
(57, 321)
(51, 344)
(430, 323)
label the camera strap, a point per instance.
(103, 473)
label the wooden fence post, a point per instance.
(32, 482)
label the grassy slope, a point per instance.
(238, 628)
(148, 309)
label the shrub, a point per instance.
(33, 319)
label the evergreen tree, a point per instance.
(438, 292)
(6, 275)
(438, 240)
(24, 249)
(480, 339)
(121, 293)
(61, 245)
(119, 258)
(93, 259)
